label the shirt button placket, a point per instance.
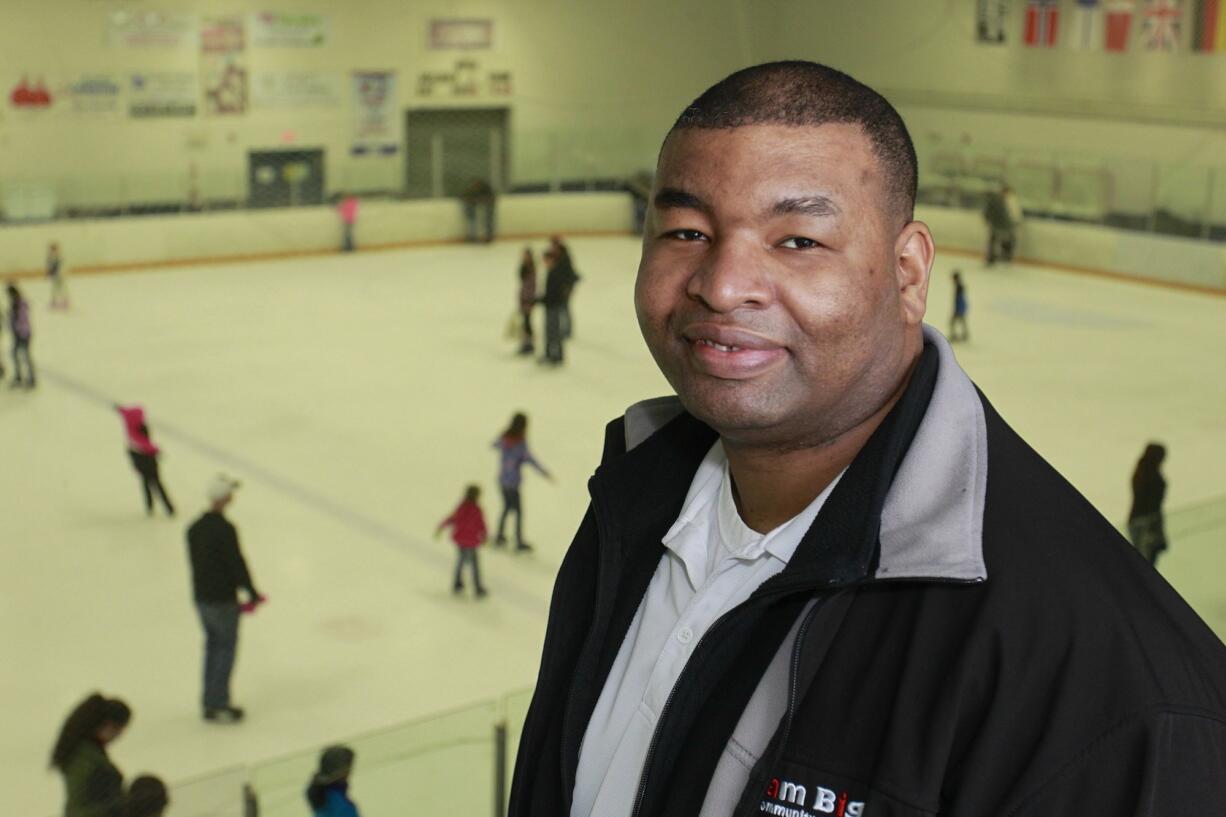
(685, 635)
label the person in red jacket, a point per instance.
(144, 455)
(468, 531)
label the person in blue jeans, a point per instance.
(218, 573)
(328, 791)
(514, 455)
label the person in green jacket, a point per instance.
(93, 784)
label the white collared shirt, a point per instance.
(712, 562)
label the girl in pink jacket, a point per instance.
(144, 455)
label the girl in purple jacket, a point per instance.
(514, 455)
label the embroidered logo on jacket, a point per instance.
(787, 799)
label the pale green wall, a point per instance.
(1131, 108)
(590, 80)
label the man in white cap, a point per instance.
(218, 572)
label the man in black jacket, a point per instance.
(827, 578)
(218, 572)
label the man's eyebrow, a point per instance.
(817, 205)
(672, 197)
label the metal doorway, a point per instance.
(285, 178)
(447, 148)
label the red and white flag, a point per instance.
(1162, 25)
(1042, 18)
(1119, 23)
(1087, 25)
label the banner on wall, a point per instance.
(467, 35)
(1042, 23)
(274, 29)
(30, 95)
(1119, 24)
(1086, 26)
(1161, 25)
(1209, 26)
(375, 120)
(223, 65)
(150, 29)
(295, 89)
(990, 19)
(94, 93)
(163, 94)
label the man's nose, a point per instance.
(731, 276)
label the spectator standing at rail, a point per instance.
(93, 784)
(513, 452)
(1146, 529)
(144, 455)
(1003, 214)
(527, 300)
(960, 306)
(348, 212)
(219, 571)
(328, 791)
(478, 201)
(468, 531)
(19, 325)
(55, 272)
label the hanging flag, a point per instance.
(990, 21)
(1161, 25)
(1209, 26)
(1119, 23)
(1041, 19)
(1087, 25)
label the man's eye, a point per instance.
(799, 243)
(686, 235)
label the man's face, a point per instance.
(777, 291)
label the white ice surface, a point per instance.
(355, 396)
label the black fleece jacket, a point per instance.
(1073, 681)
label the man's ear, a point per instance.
(914, 253)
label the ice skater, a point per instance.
(960, 306)
(19, 325)
(328, 791)
(1146, 530)
(55, 272)
(219, 571)
(559, 282)
(92, 783)
(514, 455)
(468, 531)
(527, 300)
(348, 212)
(144, 455)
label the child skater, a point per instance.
(513, 456)
(468, 531)
(144, 455)
(55, 272)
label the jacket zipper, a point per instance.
(794, 672)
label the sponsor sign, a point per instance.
(30, 95)
(163, 94)
(150, 29)
(462, 34)
(94, 93)
(374, 113)
(295, 89)
(223, 66)
(275, 29)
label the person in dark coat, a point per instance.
(1145, 524)
(219, 571)
(478, 199)
(93, 784)
(824, 576)
(328, 791)
(559, 281)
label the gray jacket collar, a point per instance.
(932, 518)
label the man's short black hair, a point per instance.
(800, 93)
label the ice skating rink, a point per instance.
(355, 396)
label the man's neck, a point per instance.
(773, 484)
